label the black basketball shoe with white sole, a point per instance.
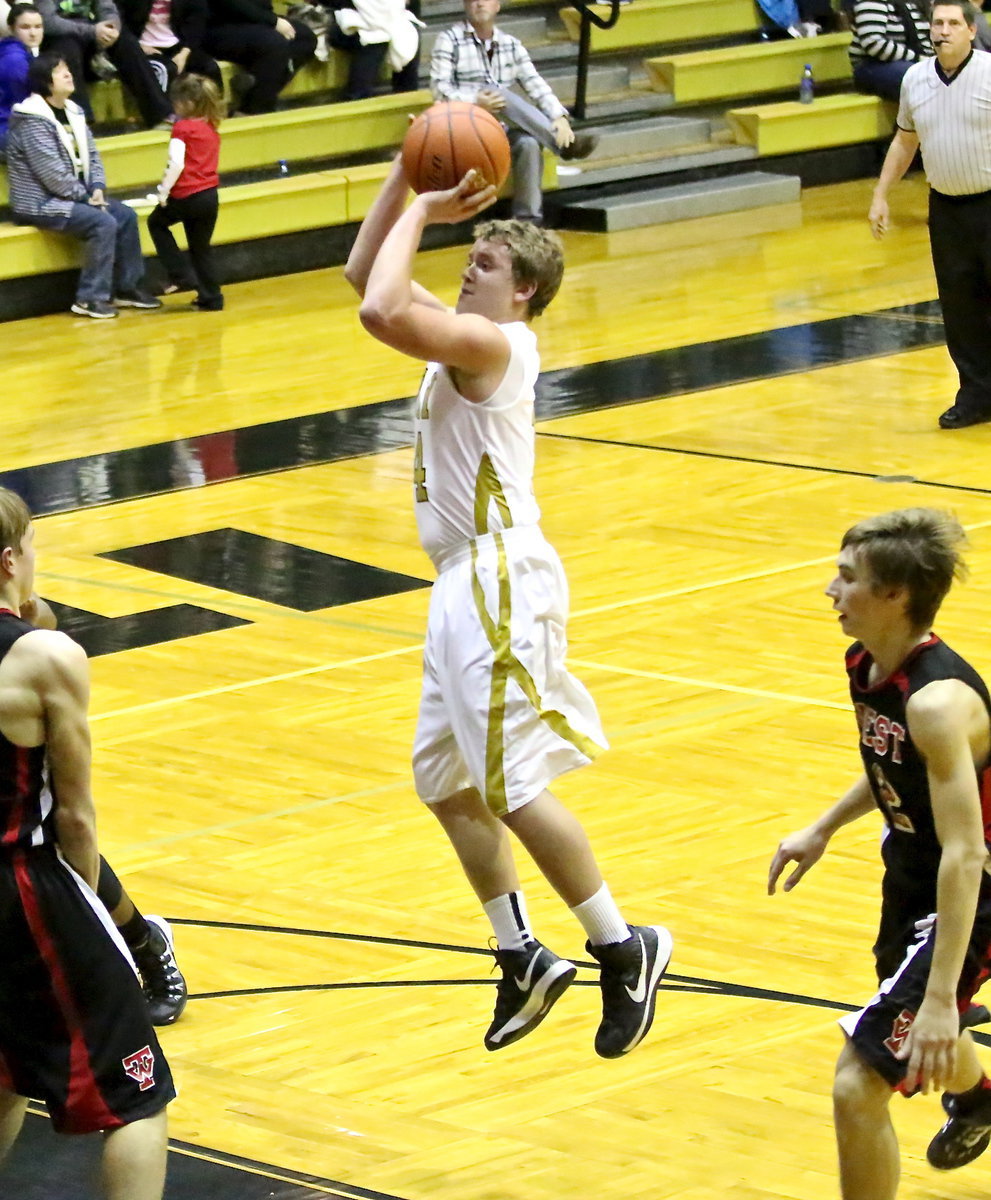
(630, 974)
(532, 980)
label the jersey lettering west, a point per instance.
(896, 771)
(473, 463)
(26, 802)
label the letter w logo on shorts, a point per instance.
(140, 1066)
(899, 1030)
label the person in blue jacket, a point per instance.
(27, 29)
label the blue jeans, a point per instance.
(882, 79)
(112, 248)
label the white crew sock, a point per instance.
(510, 921)
(601, 919)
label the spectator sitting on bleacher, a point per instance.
(371, 29)
(888, 37)
(269, 47)
(171, 33)
(78, 30)
(476, 62)
(57, 182)
(16, 53)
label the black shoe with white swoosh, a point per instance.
(532, 980)
(631, 972)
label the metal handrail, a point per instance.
(589, 19)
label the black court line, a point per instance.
(767, 462)
(387, 425)
(43, 1165)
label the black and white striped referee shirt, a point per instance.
(952, 118)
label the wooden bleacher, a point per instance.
(757, 69)
(656, 22)
(788, 127)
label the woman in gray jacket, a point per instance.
(57, 182)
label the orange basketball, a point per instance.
(449, 139)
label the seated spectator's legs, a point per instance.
(528, 167)
(137, 76)
(528, 118)
(200, 63)
(364, 63)
(75, 56)
(407, 79)
(97, 228)
(129, 263)
(265, 54)
(882, 79)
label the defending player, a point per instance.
(74, 1028)
(500, 716)
(148, 938)
(924, 720)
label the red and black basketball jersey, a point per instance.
(26, 802)
(895, 769)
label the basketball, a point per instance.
(448, 140)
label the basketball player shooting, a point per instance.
(500, 715)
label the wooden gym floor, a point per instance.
(225, 521)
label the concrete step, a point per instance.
(604, 79)
(595, 172)
(660, 205)
(646, 136)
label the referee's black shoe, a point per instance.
(630, 974)
(533, 979)
(960, 416)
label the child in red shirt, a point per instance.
(188, 191)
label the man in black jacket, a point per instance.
(269, 47)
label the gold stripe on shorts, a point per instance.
(507, 666)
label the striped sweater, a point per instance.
(879, 32)
(43, 178)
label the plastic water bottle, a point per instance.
(806, 86)
(284, 166)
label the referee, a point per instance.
(946, 109)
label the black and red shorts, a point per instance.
(74, 1027)
(879, 1029)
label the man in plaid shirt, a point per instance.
(476, 62)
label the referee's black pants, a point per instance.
(960, 238)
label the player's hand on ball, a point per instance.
(460, 203)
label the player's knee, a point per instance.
(858, 1090)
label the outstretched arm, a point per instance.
(808, 846)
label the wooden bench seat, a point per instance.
(656, 22)
(752, 70)
(789, 127)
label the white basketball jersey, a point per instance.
(473, 463)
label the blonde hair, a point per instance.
(200, 97)
(537, 256)
(919, 549)
(15, 519)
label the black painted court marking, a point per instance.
(387, 425)
(71, 1170)
(268, 569)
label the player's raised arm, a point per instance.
(386, 210)
(392, 311)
